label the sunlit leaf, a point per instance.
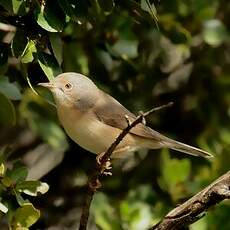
(214, 32)
(32, 188)
(25, 216)
(3, 208)
(29, 52)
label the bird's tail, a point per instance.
(181, 147)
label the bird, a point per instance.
(94, 119)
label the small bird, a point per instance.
(93, 119)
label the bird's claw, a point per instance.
(106, 167)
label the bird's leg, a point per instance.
(107, 167)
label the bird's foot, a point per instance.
(106, 167)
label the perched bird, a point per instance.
(93, 119)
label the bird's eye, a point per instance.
(68, 86)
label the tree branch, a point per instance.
(195, 208)
(94, 183)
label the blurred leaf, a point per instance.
(2, 170)
(126, 48)
(174, 170)
(200, 224)
(6, 181)
(28, 53)
(136, 210)
(176, 79)
(74, 8)
(214, 32)
(49, 65)
(11, 90)
(104, 213)
(3, 208)
(7, 111)
(25, 216)
(32, 188)
(3, 54)
(106, 5)
(50, 17)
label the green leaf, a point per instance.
(14, 6)
(25, 216)
(28, 53)
(18, 173)
(151, 9)
(3, 208)
(104, 213)
(50, 17)
(106, 5)
(32, 188)
(214, 32)
(174, 170)
(11, 90)
(57, 47)
(7, 111)
(2, 170)
(19, 43)
(49, 65)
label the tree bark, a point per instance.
(195, 208)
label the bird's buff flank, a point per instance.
(93, 119)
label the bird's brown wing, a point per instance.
(111, 112)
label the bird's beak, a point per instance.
(48, 85)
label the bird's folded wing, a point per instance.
(111, 112)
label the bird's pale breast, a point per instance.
(90, 133)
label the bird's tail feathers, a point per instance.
(181, 147)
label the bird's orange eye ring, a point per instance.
(68, 86)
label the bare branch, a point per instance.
(195, 208)
(94, 183)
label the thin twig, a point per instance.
(195, 208)
(94, 183)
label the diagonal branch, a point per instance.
(93, 182)
(194, 209)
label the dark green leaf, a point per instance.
(19, 43)
(106, 5)
(7, 111)
(75, 9)
(18, 173)
(50, 17)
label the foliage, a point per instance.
(142, 52)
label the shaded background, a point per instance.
(184, 58)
